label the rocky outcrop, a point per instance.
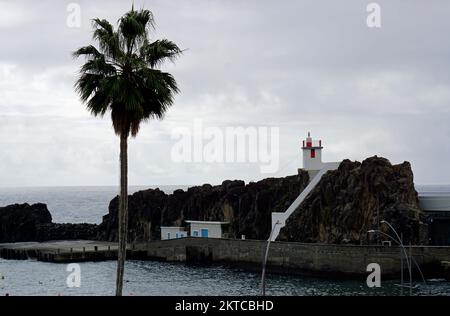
(248, 207)
(24, 222)
(19, 222)
(144, 220)
(345, 204)
(354, 199)
(54, 231)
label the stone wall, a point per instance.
(348, 261)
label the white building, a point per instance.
(206, 229)
(172, 232)
(312, 154)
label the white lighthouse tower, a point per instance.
(312, 154)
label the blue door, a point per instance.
(204, 232)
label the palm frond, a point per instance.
(134, 27)
(98, 66)
(159, 51)
(108, 40)
(89, 51)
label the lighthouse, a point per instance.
(312, 154)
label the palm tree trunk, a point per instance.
(123, 213)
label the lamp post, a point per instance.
(408, 262)
(263, 274)
(402, 253)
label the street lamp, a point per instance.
(404, 250)
(411, 257)
(402, 253)
(263, 274)
(400, 242)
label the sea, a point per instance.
(89, 204)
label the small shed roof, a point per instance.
(207, 222)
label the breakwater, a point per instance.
(324, 260)
(60, 251)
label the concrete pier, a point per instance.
(322, 260)
(60, 251)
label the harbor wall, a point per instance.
(322, 260)
(294, 258)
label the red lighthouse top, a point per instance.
(309, 143)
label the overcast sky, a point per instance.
(297, 65)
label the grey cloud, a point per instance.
(299, 65)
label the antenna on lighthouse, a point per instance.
(309, 134)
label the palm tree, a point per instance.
(122, 76)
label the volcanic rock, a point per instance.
(356, 198)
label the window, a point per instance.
(195, 233)
(313, 153)
(204, 232)
(168, 235)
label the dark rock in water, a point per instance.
(24, 222)
(19, 222)
(248, 207)
(53, 231)
(144, 209)
(341, 209)
(353, 199)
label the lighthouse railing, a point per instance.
(312, 143)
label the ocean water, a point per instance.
(72, 204)
(89, 204)
(157, 278)
(433, 190)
